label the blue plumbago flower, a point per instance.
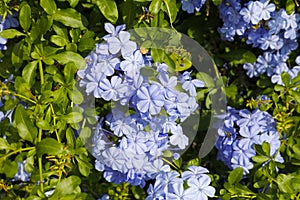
(251, 70)
(106, 65)
(121, 43)
(241, 131)
(113, 89)
(276, 77)
(169, 185)
(194, 172)
(168, 85)
(8, 22)
(113, 31)
(104, 197)
(2, 116)
(121, 124)
(199, 188)
(22, 175)
(251, 13)
(191, 5)
(132, 64)
(276, 36)
(131, 147)
(190, 84)
(178, 138)
(265, 9)
(150, 99)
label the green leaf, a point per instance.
(296, 95)
(72, 117)
(194, 162)
(260, 150)
(266, 148)
(108, 8)
(260, 159)
(157, 54)
(69, 72)
(239, 56)
(207, 79)
(285, 183)
(29, 72)
(235, 176)
(75, 95)
(70, 137)
(128, 12)
(84, 166)
(4, 144)
(84, 135)
(25, 17)
(279, 88)
(17, 54)
(73, 3)
(69, 17)
(11, 33)
(69, 56)
(9, 168)
(26, 129)
(155, 6)
(290, 6)
(171, 9)
(285, 78)
(66, 186)
(49, 6)
(58, 40)
(49, 146)
(217, 2)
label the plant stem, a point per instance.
(41, 72)
(16, 151)
(170, 163)
(23, 97)
(54, 122)
(40, 163)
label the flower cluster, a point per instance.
(9, 21)
(242, 129)
(273, 31)
(191, 5)
(155, 103)
(169, 185)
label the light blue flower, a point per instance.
(113, 31)
(121, 124)
(113, 89)
(132, 64)
(194, 172)
(22, 175)
(122, 43)
(251, 13)
(177, 192)
(114, 158)
(178, 138)
(150, 99)
(290, 21)
(265, 9)
(199, 189)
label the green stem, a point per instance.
(16, 151)
(41, 173)
(41, 72)
(54, 122)
(40, 163)
(244, 196)
(25, 98)
(170, 163)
